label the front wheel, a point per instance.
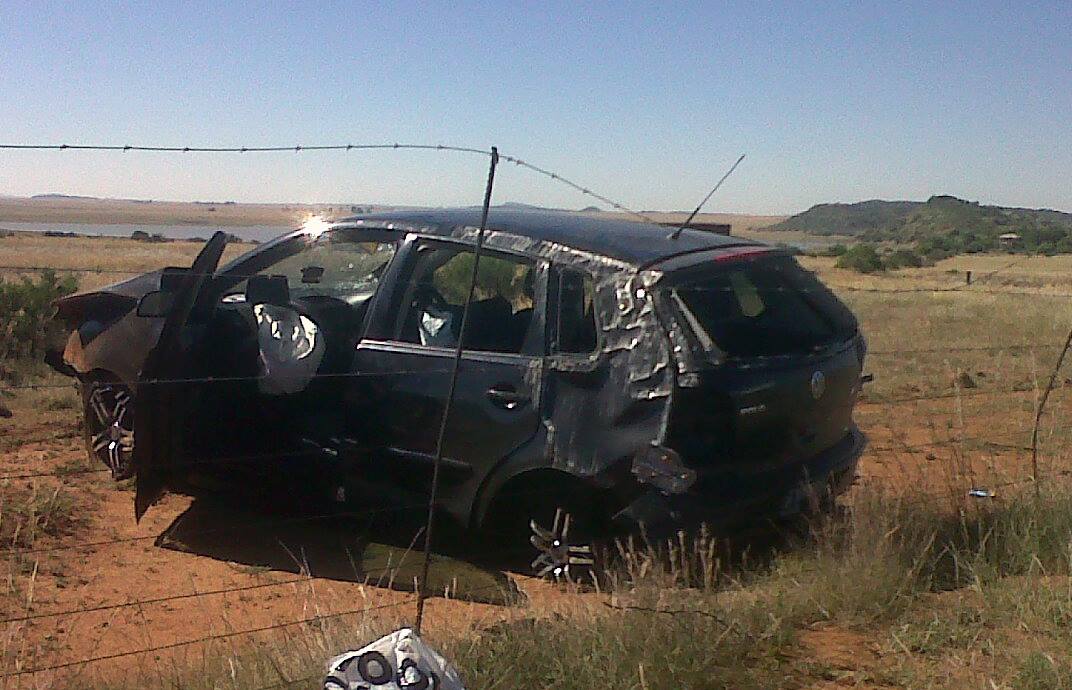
(109, 426)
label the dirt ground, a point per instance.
(285, 569)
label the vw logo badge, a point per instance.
(818, 385)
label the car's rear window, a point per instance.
(763, 306)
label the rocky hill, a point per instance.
(941, 222)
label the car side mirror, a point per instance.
(156, 304)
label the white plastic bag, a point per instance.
(399, 661)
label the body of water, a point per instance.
(262, 233)
(259, 233)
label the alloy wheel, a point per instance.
(559, 558)
(110, 425)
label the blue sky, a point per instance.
(645, 103)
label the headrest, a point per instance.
(268, 290)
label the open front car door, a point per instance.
(159, 401)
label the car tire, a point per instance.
(108, 425)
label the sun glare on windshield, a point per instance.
(315, 226)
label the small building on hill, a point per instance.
(1010, 240)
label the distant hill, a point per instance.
(943, 223)
(64, 196)
(849, 219)
(519, 206)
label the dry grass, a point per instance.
(58, 210)
(116, 258)
(740, 223)
(1037, 274)
(29, 512)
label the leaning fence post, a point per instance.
(1041, 407)
(422, 586)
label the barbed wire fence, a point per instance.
(1023, 441)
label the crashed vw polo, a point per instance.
(611, 373)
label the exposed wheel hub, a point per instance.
(558, 558)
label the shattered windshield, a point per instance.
(339, 268)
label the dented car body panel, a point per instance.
(583, 358)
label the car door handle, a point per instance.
(506, 397)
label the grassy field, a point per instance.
(122, 211)
(915, 585)
(127, 211)
(113, 259)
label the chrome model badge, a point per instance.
(818, 384)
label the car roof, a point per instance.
(633, 242)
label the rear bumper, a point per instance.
(724, 500)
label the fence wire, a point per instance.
(299, 148)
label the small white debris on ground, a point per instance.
(399, 661)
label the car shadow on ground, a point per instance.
(334, 546)
(274, 530)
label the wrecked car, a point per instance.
(614, 375)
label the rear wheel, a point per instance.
(565, 551)
(548, 527)
(109, 426)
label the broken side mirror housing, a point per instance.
(156, 304)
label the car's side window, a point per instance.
(501, 313)
(574, 325)
(329, 267)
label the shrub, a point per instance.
(862, 258)
(903, 258)
(495, 277)
(835, 250)
(978, 245)
(1064, 245)
(26, 311)
(937, 254)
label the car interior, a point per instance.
(234, 339)
(500, 315)
(228, 346)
